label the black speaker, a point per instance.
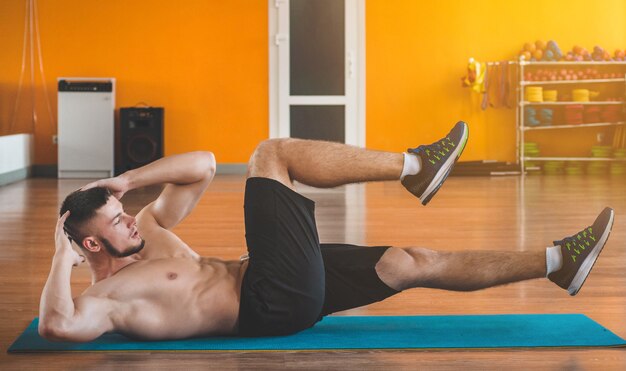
(141, 137)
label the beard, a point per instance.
(113, 251)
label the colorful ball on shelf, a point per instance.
(540, 44)
(530, 47)
(555, 51)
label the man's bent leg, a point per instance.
(403, 268)
(422, 170)
(322, 164)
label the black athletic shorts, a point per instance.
(292, 281)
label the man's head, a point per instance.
(97, 221)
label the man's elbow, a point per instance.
(56, 332)
(212, 163)
(206, 162)
(50, 331)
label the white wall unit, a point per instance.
(86, 127)
(15, 152)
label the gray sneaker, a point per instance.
(581, 251)
(438, 159)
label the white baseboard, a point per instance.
(238, 169)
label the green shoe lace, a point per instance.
(577, 244)
(435, 152)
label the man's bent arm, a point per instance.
(59, 317)
(188, 175)
(56, 304)
(186, 168)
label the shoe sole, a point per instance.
(443, 173)
(585, 267)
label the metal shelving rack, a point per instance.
(519, 116)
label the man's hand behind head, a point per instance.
(63, 245)
(117, 185)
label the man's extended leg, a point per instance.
(403, 268)
(473, 270)
(327, 164)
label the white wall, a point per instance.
(15, 153)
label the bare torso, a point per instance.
(174, 297)
(172, 293)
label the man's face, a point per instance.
(115, 230)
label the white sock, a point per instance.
(412, 165)
(554, 259)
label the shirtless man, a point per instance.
(148, 284)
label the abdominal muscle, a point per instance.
(174, 298)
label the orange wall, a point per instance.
(206, 62)
(417, 52)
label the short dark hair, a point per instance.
(82, 206)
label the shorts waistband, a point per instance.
(275, 183)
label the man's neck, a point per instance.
(106, 268)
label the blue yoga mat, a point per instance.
(374, 332)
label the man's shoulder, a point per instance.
(103, 286)
(163, 243)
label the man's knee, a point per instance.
(266, 153)
(268, 147)
(267, 161)
(403, 268)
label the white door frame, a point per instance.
(279, 98)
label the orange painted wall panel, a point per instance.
(417, 51)
(206, 62)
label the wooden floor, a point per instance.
(507, 213)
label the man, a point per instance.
(149, 284)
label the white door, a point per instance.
(317, 70)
